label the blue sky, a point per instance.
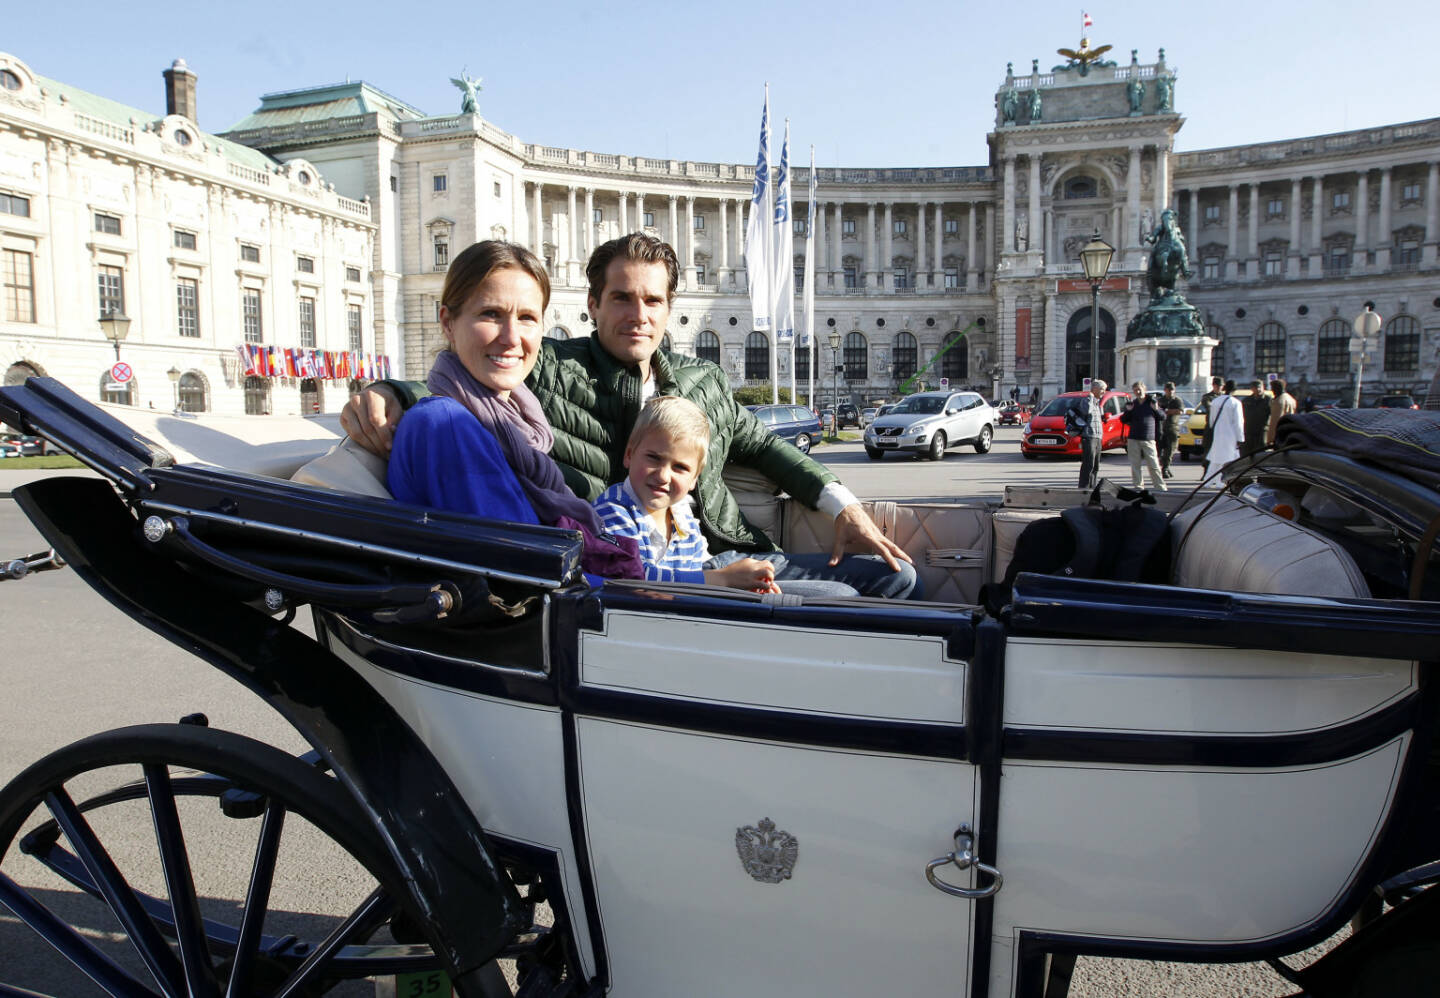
(901, 83)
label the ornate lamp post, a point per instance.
(1367, 324)
(835, 377)
(174, 375)
(115, 326)
(1095, 257)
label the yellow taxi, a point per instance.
(1192, 440)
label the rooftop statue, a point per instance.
(469, 87)
(1034, 105)
(1135, 90)
(1164, 93)
(1084, 57)
(1009, 103)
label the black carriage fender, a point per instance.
(435, 842)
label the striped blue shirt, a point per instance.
(681, 559)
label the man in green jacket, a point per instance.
(592, 389)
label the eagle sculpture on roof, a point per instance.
(1084, 57)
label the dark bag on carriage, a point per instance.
(1091, 542)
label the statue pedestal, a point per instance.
(1167, 342)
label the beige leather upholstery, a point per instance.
(1237, 547)
(346, 467)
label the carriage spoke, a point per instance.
(118, 894)
(180, 884)
(371, 914)
(69, 943)
(257, 900)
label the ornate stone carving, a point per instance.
(768, 854)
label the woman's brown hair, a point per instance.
(478, 261)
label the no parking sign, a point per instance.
(120, 373)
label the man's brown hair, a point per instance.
(636, 246)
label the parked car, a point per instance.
(794, 423)
(846, 414)
(1046, 433)
(927, 423)
(1192, 441)
(19, 445)
(1011, 413)
(1396, 402)
(882, 410)
(867, 415)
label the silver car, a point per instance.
(929, 422)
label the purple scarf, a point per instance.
(520, 427)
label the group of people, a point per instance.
(1237, 426)
(608, 435)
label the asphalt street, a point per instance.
(73, 665)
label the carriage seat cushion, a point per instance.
(1236, 547)
(346, 467)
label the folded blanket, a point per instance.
(1405, 441)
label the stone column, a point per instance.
(624, 202)
(1191, 245)
(1252, 265)
(689, 258)
(837, 237)
(588, 226)
(887, 252)
(1232, 227)
(972, 262)
(1361, 261)
(674, 225)
(1432, 217)
(922, 272)
(1162, 180)
(639, 211)
(1384, 236)
(1132, 201)
(817, 270)
(937, 260)
(722, 277)
(872, 277)
(1007, 215)
(1036, 224)
(537, 234)
(1292, 258)
(1317, 219)
(742, 285)
(987, 247)
(572, 264)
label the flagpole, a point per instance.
(758, 268)
(810, 284)
(769, 236)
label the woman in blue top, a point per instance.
(480, 444)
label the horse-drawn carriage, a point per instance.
(721, 793)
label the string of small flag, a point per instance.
(260, 361)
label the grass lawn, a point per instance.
(34, 462)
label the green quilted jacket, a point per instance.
(592, 400)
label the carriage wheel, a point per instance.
(201, 875)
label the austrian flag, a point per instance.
(1085, 20)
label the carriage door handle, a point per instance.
(964, 858)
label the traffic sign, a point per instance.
(944, 382)
(121, 372)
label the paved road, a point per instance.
(73, 665)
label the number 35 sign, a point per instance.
(432, 984)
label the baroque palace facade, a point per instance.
(355, 202)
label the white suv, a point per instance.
(927, 423)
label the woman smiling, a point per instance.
(480, 444)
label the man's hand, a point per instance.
(754, 574)
(370, 419)
(853, 527)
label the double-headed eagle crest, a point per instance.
(767, 853)
(1083, 57)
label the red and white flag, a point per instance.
(1085, 20)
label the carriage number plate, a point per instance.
(432, 984)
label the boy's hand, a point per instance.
(752, 574)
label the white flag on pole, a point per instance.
(807, 329)
(784, 245)
(758, 233)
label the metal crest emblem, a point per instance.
(767, 853)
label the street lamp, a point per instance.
(1367, 324)
(174, 375)
(835, 378)
(115, 326)
(1095, 257)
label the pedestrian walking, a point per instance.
(1175, 417)
(1087, 418)
(1217, 387)
(1283, 404)
(1255, 408)
(1145, 420)
(1227, 429)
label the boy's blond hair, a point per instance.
(679, 419)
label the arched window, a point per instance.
(257, 396)
(955, 362)
(192, 393)
(1402, 344)
(558, 333)
(1333, 352)
(757, 357)
(1270, 349)
(118, 394)
(707, 346)
(1081, 187)
(857, 357)
(906, 353)
(16, 373)
(802, 359)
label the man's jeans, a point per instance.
(811, 574)
(1089, 461)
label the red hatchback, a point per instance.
(1046, 433)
